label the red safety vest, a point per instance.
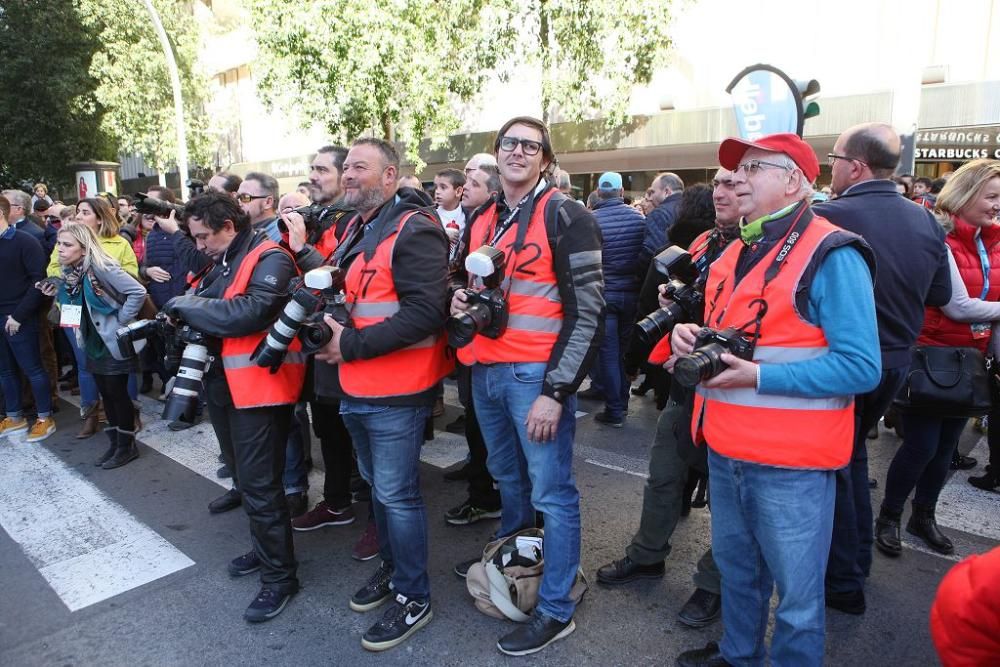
(250, 385)
(782, 431)
(371, 299)
(536, 311)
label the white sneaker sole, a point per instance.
(383, 646)
(362, 608)
(15, 431)
(343, 522)
(566, 632)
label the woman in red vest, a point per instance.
(969, 205)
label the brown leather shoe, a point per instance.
(90, 426)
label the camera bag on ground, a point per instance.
(946, 382)
(505, 582)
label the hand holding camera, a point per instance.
(714, 359)
(296, 227)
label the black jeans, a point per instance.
(117, 404)
(338, 452)
(253, 443)
(851, 547)
(923, 460)
(482, 489)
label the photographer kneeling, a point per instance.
(250, 407)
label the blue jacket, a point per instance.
(912, 265)
(622, 228)
(46, 237)
(657, 224)
(160, 252)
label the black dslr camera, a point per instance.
(319, 292)
(487, 312)
(161, 209)
(705, 361)
(310, 217)
(685, 289)
(187, 351)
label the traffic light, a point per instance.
(808, 92)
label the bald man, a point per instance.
(912, 272)
(478, 160)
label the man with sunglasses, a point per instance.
(524, 381)
(798, 290)
(912, 272)
(258, 197)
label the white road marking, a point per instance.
(964, 507)
(87, 547)
(616, 468)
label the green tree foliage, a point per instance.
(398, 68)
(133, 81)
(49, 113)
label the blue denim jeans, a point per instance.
(22, 350)
(610, 369)
(387, 440)
(85, 379)
(296, 477)
(532, 475)
(771, 526)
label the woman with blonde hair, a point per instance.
(968, 207)
(97, 297)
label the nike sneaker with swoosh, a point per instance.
(401, 620)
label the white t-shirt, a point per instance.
(452, 220)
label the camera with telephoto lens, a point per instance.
(487, 312)
(186, 351)
(310, 218)
(705, 361)
(685, 289)
(151, 206)
(319, 292)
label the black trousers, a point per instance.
(252, 441)
(851, 547)
(482, 491)
(118, 406)
(338, 452)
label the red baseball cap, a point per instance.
(731, 151)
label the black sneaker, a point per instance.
(268, 604)
(535, 635)
(243, 565)
(608, 420)
(375, 592)
(224, 472)
(467, 513)
(462, 569)
(626, 570)
(400, 621)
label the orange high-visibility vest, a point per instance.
(536, 312)
(372, 298)
(250, 385)
(783, 431)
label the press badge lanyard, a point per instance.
(984, 259)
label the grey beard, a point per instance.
(366, 200)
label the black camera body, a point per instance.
(150, 206)
(488, 309)
(686, 291)
(705, 361)
(310, 217)
(319, 292)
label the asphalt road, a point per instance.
(127, 567)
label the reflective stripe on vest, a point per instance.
(536, 312)
(250, 385)
(777, 430)
(371, 299)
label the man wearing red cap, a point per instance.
(798, 291)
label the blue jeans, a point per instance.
(771, 526)
(387, 440)
(610, 369)
(532, 475)
(296, 477)
(22, 351)
(922, 461)
(85, 379)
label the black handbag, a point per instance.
(947, 382)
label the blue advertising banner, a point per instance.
(766, 101)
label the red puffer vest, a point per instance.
(938, 329)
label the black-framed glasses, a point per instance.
(246, 197)
(833, 157)
(751, 167)
(529, 146)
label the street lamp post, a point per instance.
(175, 84)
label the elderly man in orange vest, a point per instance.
(790, 337)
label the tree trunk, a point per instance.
(543, 39)
(388, 130)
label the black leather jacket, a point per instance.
(206, 310)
